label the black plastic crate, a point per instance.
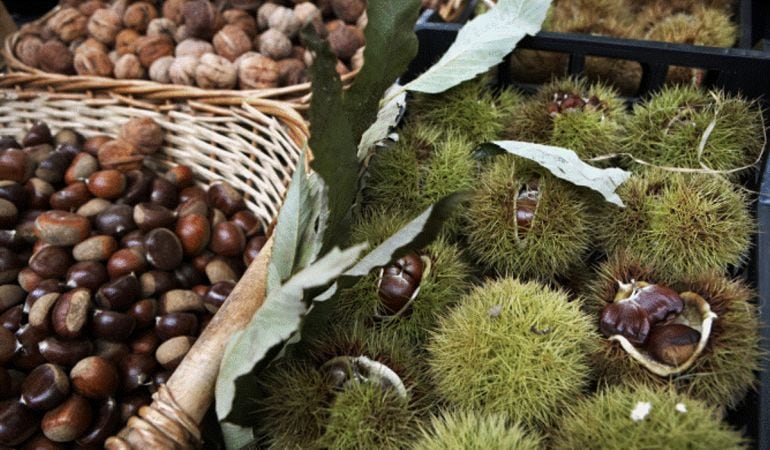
(735, 70)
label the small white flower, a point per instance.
(640, 411)
(681, 407)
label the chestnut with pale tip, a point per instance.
(68, 421)
(94, 377)
(45, 387)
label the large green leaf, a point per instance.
(483, 43)
(338, 120)
(298, 231)
(565, 164)
(390, 45)
(277, 319)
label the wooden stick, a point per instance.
(190, 390)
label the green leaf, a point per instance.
(415, 235)
(565, 164)
(387, 118)
(338, 120)
(277, 319)
(298, 230)
(483, 43)
(390, 45)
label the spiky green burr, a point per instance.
(682, 224)
(472, 430)
(639, 417)
(555, 239)
(445, 280)
(688, 128)
(513, 348)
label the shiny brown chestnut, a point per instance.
(10, 295)
(71, 197)
(194, 232)
(119, 293)
(188, 276)
(43, 288)
(164, 193)
(7, 346)
(176, 324)
(192, 206)
(51, 262)
(68, 421)
(216, 294)
(62, 228)
(45, 387)
(672, 344)
(126, 261)
(136, 371)
(37, 134)
(15, 165)
(28, 279)
(92, 144)
(7, 142)
(68, 136)
(39, 312)
(144, 312)
(112, 325)
(27, 355)
(64, 352)
(145, 343)
(87, 274)
(11, 318)
(116, 220)
(13, 192)
(38, 193)
(40, 442)
(138, 187)
(71, 312)
(53, 167)
(131, 403)
(108, 184)
(81, 167)
(400, 280)
(223, 196)
(105, 425)
(164, 250)
(133, 239)
(9, 214)
(149, 216)
(17, 423)
(221, 269)
(94, 377)
(253, 247)
(113, 352)
(248, 222)
(192, 192)
(227, 239)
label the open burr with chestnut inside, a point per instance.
(211, 45)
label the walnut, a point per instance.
(92, 43)
(215, 72)
(344, 41)
(242, 20)
(160, 68)
(193, 47)
(172, 9)
(54, 56)
(274, 44)
(150, 48)
(104, 25)
(284, 20)
(27, 49)
(33, 29)
(162, 27)
(357, 60)
(201, 18)
(90, 7)
(143, 133)
(120, 155)
(182, 70)
(120, 6)
(263, 14)
(291, 71)
(138, 15)
(182, 34)
(125, 41)
(128, 67)
(257, 72)
(348, 10)
(68, 24)
(308, 13)
(91, 61)
(231, 42)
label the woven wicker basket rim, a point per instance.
(20, 74)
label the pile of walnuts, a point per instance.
(213, 45)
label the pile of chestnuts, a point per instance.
(212, 45)
(108, 272)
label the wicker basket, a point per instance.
(255, 148)
(22, 75)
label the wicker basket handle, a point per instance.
(171, 421)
